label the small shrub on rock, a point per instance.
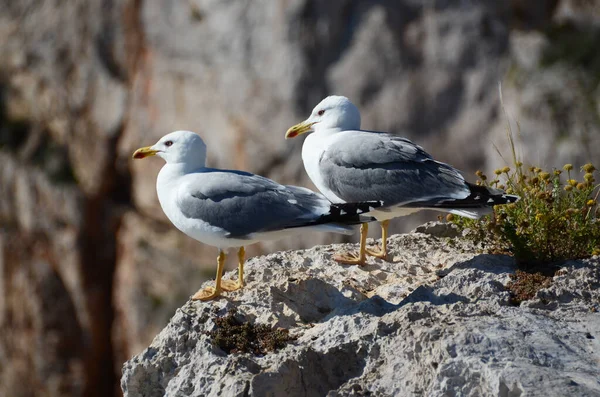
(556, 219)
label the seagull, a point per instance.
(229, 208)
(348, 164)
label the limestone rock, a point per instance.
(389, 328)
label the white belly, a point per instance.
(393, 212)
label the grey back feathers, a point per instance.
(399, 173)
(242, 203)
(387, 168)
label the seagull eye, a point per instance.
(168, 143)
(321, 112)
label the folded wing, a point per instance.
(242, 204)
(363, 166)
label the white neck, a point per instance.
(166, 181)
(323, 131)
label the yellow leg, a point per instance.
(352, 258)
(381, 253)
(241, 261)
(209, 293)
(229, 285)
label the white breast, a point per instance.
(167, 184)
(312, 150)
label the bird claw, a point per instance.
(349, 258)
(377, 253)
(230, 285)
(206, 294)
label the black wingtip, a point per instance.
(490, 196)
(480, 197)
(354, 208)
(510, 198)
(345, 214)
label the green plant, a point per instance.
(557, 217)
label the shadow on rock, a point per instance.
(314, 300)
(495, 264)
(427, 293)
(312, 373)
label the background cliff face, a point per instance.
(90, 269)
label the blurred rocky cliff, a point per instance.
(90, 270)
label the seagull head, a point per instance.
(332, 113)
(177, 147)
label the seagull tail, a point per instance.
(342, 216)
(349, 213)
(345, 211)
(479, 202)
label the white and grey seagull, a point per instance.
(348, 164)
(228, 208)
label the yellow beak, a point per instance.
(144, 152)
(299, 129)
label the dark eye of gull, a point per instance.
(168, 143)
(321, 112)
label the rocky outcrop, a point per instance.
(435, 320)
(83, 83)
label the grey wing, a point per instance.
(243, 203)
(362, 165)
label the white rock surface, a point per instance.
(434, 321)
